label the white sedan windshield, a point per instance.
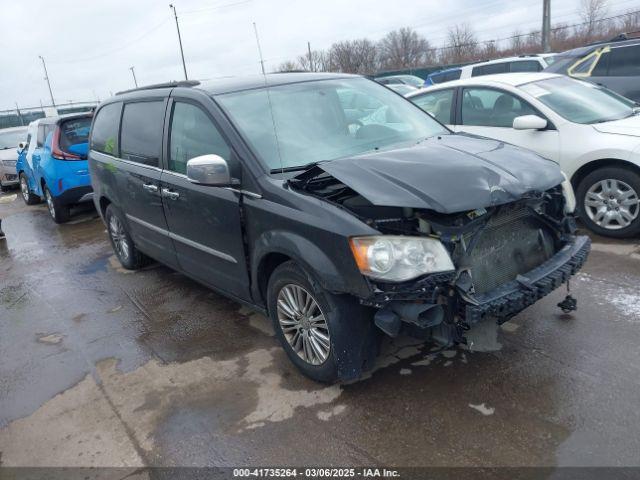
(580, 102)
(298, 124)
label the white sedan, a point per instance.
(593, 133)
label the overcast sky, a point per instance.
(90, 45)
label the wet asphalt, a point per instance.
(104, 367)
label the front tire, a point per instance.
(59, 212)
(609, 202)
(328, 337)
(28, 197)
(128, 255)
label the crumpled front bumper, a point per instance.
(511, 298)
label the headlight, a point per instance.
(398, 258)
(569, 196)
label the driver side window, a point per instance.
(485, 107)
(193, 134)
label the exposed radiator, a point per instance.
(513, 243)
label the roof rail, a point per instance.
(181, 83)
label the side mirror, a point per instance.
(529, 122)
(22, 146)
(209, 170)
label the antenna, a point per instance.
(255, 29)
(266, 86)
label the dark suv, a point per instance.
(333, 205)
(614, 64)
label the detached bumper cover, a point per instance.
(511, 298)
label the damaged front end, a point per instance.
(505, 255)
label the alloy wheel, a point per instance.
(24, 188)
(303, 324)
(612, 204)
(117, 233)
(50, 205)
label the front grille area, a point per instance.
(513, 243)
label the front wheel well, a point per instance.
(266, 267)
(586, 169)
(104, 203)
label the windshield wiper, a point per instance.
(295, 168)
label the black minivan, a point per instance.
(333, 205)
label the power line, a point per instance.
(115, 50)
(216, 7)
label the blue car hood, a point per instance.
(448, 174)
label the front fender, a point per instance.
(336, 272)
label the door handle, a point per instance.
(170, 194)
(150, 187)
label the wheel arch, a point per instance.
(276, 247)
(593, 165)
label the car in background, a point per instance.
(401, 88)
(523, 63)
(334, 206)
(10, 139)
(614, 64)
(412, 80)
(53, 164)
(592, 132)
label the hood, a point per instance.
(448, 174)
(9, 154)
(627, 126)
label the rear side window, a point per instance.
(141, 132)
(525, 66)
(446, 76)
(624, 61)
(490, 69)
(193, 134)
(437, 104)
(74, 135)
(104, 135)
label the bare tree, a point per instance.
(462, 45)
(517, 42)
(404, 48)
(319, 61)
(354, 56)
(490, 50)
(288, 66)
(630, 22)
(593, 13)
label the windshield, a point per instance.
(580, 102)
(12, 139)
(323, 120)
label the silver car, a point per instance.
(10, 138)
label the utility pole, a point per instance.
(133, 72)
(311, 67)
(46, 77)
(255, 29)
(546, 26)
(184, 65)
(19, 114)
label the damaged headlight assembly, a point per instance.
(399, 258)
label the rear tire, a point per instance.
(59, 212)
(337, 325)
(607, 202)
(128, 255)
(28, 197)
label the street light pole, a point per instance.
(133, 72)
(184, 65)
(46, 77)
(546, 26)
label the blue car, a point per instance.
(52, 165)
